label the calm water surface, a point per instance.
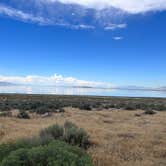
(79, 91)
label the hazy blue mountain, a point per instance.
(6, 84)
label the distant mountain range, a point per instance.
(7, 84)
(141, 88)
(163, 88)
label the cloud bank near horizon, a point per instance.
(79, 14)
(57, 80)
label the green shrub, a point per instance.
(69, 125)
(85, 107)
(54, 131)
(130, 107)
(69, 133)
(41, 110)
(76, 136)
(6, 149)
(160, 107)
(55, 153)
(149, 112)
(61, 110)
(23, 115)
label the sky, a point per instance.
(83, 42)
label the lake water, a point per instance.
(79, 91)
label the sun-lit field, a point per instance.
(120, 137)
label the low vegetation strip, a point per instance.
(55, 103)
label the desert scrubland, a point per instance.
(119, 136)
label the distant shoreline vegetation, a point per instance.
(51, 103)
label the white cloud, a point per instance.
(79, 26)
(115, 26)
(51, 80)
(131, 6)
(83, 26)
(118, 38)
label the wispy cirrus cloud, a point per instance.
(11, 12)
(79, 14)
(61, 13)
(51, 80)
(115, 26)
(18, 14)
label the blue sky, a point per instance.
(119, 45)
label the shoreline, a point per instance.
(80, 96)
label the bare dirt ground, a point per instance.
(120, 137)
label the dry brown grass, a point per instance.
(120, 137)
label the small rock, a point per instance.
(47, 114)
